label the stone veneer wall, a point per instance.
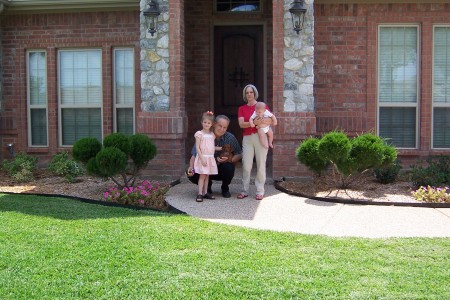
(298, 62)
(155, 61)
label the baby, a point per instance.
(263, 129)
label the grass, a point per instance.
(56, 248)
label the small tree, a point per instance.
(120, 155)
(349, 158)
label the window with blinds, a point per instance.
(398, 84)
(80, 95)
(124, 91)
(441, 87)
(37, 98)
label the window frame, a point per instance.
(74, 106)
(437, 104)
(416, 104)
(260, 11)
(31, 106)
(118, 106)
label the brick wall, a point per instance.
(345, 64)
(51, 32)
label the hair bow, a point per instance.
(209, 113)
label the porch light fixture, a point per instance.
(151, 14)
(298, 13)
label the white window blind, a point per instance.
(441, 87)
(37, 98)
(80, 95)
(124, 90)
(398, 84)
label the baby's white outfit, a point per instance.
(267, 114)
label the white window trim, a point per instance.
(115, 105)
(399, 104)
(62, 106)
(433, 105)
(35, 106)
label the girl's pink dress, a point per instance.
(207, 147)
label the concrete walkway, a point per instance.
(279, 211)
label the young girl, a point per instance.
(205, 163)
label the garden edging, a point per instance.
(360, 201)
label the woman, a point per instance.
(251, 145)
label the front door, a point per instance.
(238, 61)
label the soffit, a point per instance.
(41, 6)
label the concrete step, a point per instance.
(237, 179)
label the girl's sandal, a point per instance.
(208, 196)
(199, 198)
(241, 196)
(259, 197)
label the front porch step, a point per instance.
(237, 179)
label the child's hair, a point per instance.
(208, 115)
(260, 105)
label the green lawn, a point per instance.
(56, 248)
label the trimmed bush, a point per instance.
(308, 154)
(120, 155)
(111, 161)
(142, 150)
(349, 157)
(335, 147)
(118, 140)
(86, 148)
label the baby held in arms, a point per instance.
(263, 129)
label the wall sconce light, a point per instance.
(151, 14)
(298, 13)
(10, 147)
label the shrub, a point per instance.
(387, 173)
(349, 158)
(86, 148)
(119, 141)
(142, 150)
(120, 155)
(110, 161)
(308, 154)
(335, 147)
(147, 194)
(62, 165)
(21, 168)
(432, 194)
(435, 172)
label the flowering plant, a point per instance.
(146, 194)
(432, 194)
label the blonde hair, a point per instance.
(260, 105)
(209, 115)
(255, 90)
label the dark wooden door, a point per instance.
(238, 61)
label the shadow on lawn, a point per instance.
(71, 208)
